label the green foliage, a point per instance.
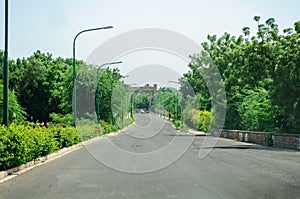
(168, 101)
(16, 113)
(88, 129)
(61, 78)
(67, 119)
(42, 84)
(106, 127)
(264, 66)
(297, 27)
(20, 144)
(66, 137)
(199, 119)
(125, 122)
(257, 113)
(29, 79)
(120, 103)
(177, 123)
(189, 112)
(204, 119)
(108, 83)
(256, 18)
(141, 100)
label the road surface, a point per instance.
(231, 170)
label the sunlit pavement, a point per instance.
(231, 170)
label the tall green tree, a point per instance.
(265, 65)
(106, 83)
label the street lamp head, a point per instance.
(107, 27)
(117, 62)
(109, 63)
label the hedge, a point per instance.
(20, 144)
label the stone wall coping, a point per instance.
(261, 132)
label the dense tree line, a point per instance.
(107, 94)
(41, 84)
(168, 103)
(261, 73)
(41, 89)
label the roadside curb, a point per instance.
(197, 133)
(13, 172)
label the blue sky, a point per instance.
(50, 25)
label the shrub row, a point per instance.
(88, 129)
(20, 144)
(198, 119)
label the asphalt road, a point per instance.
(142, 164)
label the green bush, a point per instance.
(106, 127)
(20, 144)
(120, 124)
(87, 132)
(15, 111)
(189, 117)
(204, 120)
(177, 123)
(257, 112)
(200, 119)
(62, 119)
(66, 136)
(88, 129)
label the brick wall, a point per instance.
(289, 141)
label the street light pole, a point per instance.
(164, 104)
(131, 101)
(131, 109)
(74, 66)
(97, 99)
(111, 90)
(6, 75)
(174, 106)
(122, 108)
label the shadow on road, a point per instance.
(242, 147)
(251, 147)
(185, 135)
